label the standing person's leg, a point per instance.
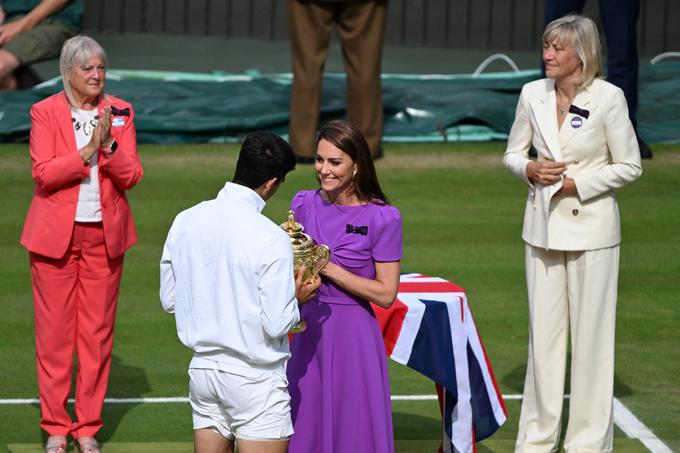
(262, 446)
(541, 412)
(99, 281)
(554, 9)
(619, 20)
(54, 302)
(361, 29)
(309, 26)
(593, 280)
(209, 440)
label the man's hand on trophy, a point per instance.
(304, 291)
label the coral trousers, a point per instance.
(75, 300)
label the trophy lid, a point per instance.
(299, 240)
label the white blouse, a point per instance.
(89, 205)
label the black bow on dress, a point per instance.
(363, 230)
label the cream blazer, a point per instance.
(601, 153)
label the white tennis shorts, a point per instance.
(240, 406)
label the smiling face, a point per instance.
(561, 60)
(87, 80)
(335, 170)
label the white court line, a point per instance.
(623, 418)
(635, 429)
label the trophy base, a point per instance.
(299, 327)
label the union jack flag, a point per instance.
(430, 329)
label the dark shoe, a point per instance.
(645, 150)
(378, 154)
(304, 160)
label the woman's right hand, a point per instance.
(545, 173)
(87, 151)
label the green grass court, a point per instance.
(462, 221)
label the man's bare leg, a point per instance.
(262, 446)
(207, 440)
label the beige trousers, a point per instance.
(361, 28)
(572, 296)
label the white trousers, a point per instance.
(572, 295)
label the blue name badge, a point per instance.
(117, 121)
(576, 122)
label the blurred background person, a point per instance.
(361, 28)
(339, 383)
(79, 225)
(587, 148)
(619, 19)
(32, 31)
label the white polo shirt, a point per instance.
(227, 275)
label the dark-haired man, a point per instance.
(227, 275)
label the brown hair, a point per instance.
(346, 137)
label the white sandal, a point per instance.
(55, 444)
(87, 445)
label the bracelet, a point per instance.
(86, 162)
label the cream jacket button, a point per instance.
(576, 161)
(574, 211)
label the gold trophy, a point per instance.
(305, 252)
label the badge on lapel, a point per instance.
(576, 122)
(118, 121)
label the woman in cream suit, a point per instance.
(84, 159)
(586, 146)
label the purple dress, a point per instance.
(338, 379)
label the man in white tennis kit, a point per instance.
(227, 275)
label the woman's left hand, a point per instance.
(568, 187)
(105, 127)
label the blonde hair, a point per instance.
(581, 33)
(77, 51)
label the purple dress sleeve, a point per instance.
(386, 239)
(297, 204)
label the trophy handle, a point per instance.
(322, 255)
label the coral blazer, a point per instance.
(601, 151)
(57, 170)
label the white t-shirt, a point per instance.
(227, 275)
(89, 205)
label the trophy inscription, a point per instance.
(305, 252)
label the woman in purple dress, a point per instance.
(339, 384)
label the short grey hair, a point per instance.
(581, 33)
(75, 52)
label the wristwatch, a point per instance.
(109, 150)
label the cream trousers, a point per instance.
(572, 295)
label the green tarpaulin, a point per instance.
(185, 107)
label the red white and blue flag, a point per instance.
(430, 329)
